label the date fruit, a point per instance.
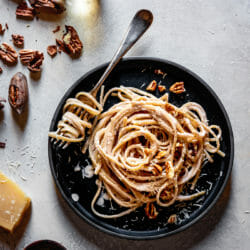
(18, 92)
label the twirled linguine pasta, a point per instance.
(144, 149)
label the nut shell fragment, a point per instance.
(18, 92)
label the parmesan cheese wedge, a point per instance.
(13, 203)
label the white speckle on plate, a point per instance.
(75, 197)
(88, 172)
(77, 168)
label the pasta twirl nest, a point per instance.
(143, 149)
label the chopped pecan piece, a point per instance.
(169, 169)
(150, 211)
(157, 169)
(161, 154)
(158, 72)
(55, 6)
(152, 86)
(60, 45)
(1, 70)
(161, 88)
(23, 11)
(172, 219)
(1, 29)
(32, 58)
(177, 88)
(8, 54)
(2, 144)
(6, 26)
(56, 29)
(169, 108)
(18, 40)
(52, 50)
(1, 102)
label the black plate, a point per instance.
(138, 72)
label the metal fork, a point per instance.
(139, 24)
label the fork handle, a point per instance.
(139, 24)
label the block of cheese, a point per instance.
(13, 203)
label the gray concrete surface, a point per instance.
(209, 37)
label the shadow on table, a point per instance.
(12, 239)
(183, 240)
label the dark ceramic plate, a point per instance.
(138, 72)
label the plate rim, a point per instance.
(146, 236)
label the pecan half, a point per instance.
(18, 92)
(55, 6)
(177, 88)
(172, 219)
(1, 29)
(32, 58)
(26, 55)
(150, 211)
(71, 43)
(18, 40)
(152, 86)
(23, 11)
(36, 62)
(52, 50)
(161, 88)
(1, 102)
(8, 54)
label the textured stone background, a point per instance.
(209, 37)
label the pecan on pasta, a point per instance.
(8, 54)
(177, 88)
(18, 40)
(150, 211)
(23, 11)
